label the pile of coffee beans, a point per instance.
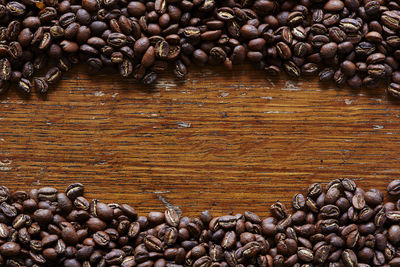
(354, 42)
(334, 225)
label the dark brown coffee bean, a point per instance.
(53, 75)
(326, 74)
(43, 216)
(349, 258)
(180, 69)
(354, 82)
(101, 238)
(283, 50)
(10, 249)
(308, 69)
(153, 244)
(69, 47)
(15, 50)
(116, 39)
(28, 70)
(148, 57)
(394, 188)
(45, 42)
(305, 254)
(376, 70)
(249, 32)
(334, 6)
(348, 68)
(5, 69)
(329, 50)
(74, 190)
(292, 69)
(16, 8)
(394, 90)
(126, 68)
(229, 240)
(24, 86)
(350, 25)
(64, 64)
(94, 64)
(340, 79)
(391, 20)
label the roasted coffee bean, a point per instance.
(74, 190)
(329, 50)
(24, 86)
(53, 75)
(5, 69)
(326, 74)
(308, 69)
(394, 188)
(64, 64)
(394, 89)
(317, 237)
(28, 70)
(292, 69)
(391, 19)
(142, 38)
(15, 50)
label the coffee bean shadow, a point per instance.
(14, 91)
(393, 100)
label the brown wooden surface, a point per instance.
(221, 141)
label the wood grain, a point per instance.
(223, 141)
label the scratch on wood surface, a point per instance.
(291, 86)
(162, 192)
(183, 124)
(169, 205)
(378, 127)
(271, 82)
(166, 85)
(99, 93)
(5, 165)
(224, 94)
(267, 97)
(278, 112)
(349, 101)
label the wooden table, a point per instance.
(222, 141)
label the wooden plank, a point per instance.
(223, 141)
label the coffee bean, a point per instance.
(349, 258)
(326, 74)
(24, 86)
(334, 6)
(53, 75)
(43, 216)
(284, 50)
(126, 68)
(101, 238)
(391, 20)
(142, 38)
(153, 244)
(28, 70)
(74, 190)
(10, 249)
(394, 188)
(16, 8)
(249, 32)
(320, 236)
(15, 50)
(329, 50)
(5, 69)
